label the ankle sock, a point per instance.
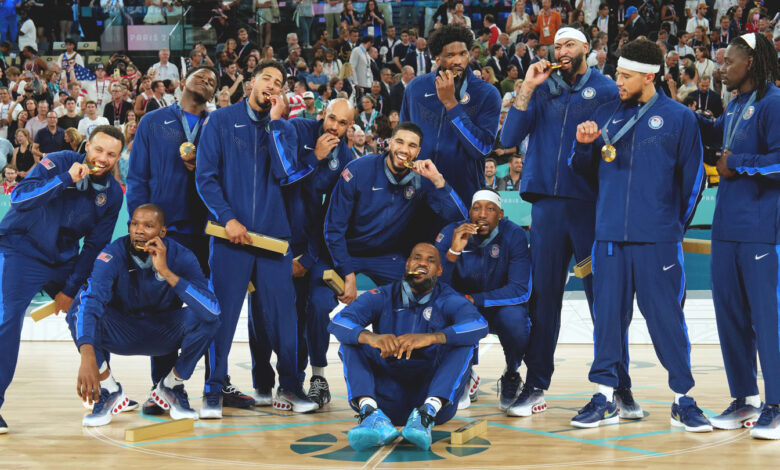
(109, 384)
(318, 371)
(171, 380)
(434, 403)
(677, 397)
(753, 400)
(607, 391)
(367, 401)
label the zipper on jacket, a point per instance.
(254, 188)
(628, 186)
(560, 145)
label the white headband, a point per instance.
(750, 38)
(570, 33)
(624, 63)
(485, 195)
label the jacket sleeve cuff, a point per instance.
(479, 300)
(181, 287)
(226, 216)
(345, 269)
(85, 340)
(307, 261)
(65, 177)
(455, 111)
(450, 334)
(71, 288)
(734, 161)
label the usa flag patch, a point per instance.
(439, 237)
(48, 164)
(105, 257)
(346, 175)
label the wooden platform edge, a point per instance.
(153, 431)
(468, 432)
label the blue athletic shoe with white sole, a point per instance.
(509, 386)
(530, 401)
(768, 425)
(418, 427)
(686, 414)
(3, 426)
(374, 429)
(174, 400)
(737, 415)
(598, 411)
(211, 406)
(108, 405)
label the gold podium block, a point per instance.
(263, 242)
(334, 281)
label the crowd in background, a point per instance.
(365, 51)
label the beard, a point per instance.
(632, 97)
(423, 285)
(571, 73)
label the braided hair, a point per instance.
(764, 67)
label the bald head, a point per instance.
(339, 116)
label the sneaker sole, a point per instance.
(680, 424)
(131, 406)
(363, 439)
(106, 419)
(766, 434)
(578, 424)
(3, 430)
(637, 414)
(176, 412)
(263, 401)
(474, 390)
(734, 424)
(526, 411)
(284, 405)
(420, 439)
(210, 414)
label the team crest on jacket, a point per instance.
(589, 93)
(333, 164)
(427, 313)
(100, 199)
(346, 174)
(655, 122)
(495, 250)
(409, 192)
(465, 99)
(749, 112)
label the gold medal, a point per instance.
(94, 169)
(407, 163)
(608, 153)
(187, 151)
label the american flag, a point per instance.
(83, 73)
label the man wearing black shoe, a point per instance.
(417, 357)
(133, 305)
(487, 259)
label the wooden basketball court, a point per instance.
(44, 416)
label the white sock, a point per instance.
(171, 380)
(607, 391)
(677, 397)
(109, 384)
(753, 400)
(318, 371)
(367, 401)
(435, 403)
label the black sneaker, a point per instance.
(151, 407)
(509, 386)
(3, 426)
(319, 392)
(233, 398)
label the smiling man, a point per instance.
(133, 305)
(65, 198)
(487, 259)
(246, 153)
(416, 358)
(160, 173)
(547, 109)
(641, 144)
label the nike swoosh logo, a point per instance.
(428, 95)
(399, 309)
(375, 189)
(307, 147)
(239, 125)
(169, 122)
(466, 251)
(666, 268)
(729, 114)
(615, 121)
(759, 257)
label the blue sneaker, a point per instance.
(108, 405)
(374, 429)
(3, 426)
(767, 426)
(598, 411)
(737, 415)
(175, 400)
(211, 406)
(508, 389)
(418, 427)
(686, 414)
(530, 401)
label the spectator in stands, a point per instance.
(120, 170)
(245, 46)
(10, 175)
(70, 57)
(705, 67)
(164, 70)
(6, 151)
(71, 117)
(27, 30)
(223, 99)
(98, 90)
(602, 65)
(317, 77)
(350, 18)
(157, 99)
(372, 20)
(310, 110)
(516, 20)
(18, 123)
(367, 117)
(8, 21)
(511, 182)
(39, 121)
(6, 109)
(419, 58)
(91, 119)
(23, 158)
(351, 42)
(489, 22)
(397, 91)
(361, 64)
(359, 147)
(698, 20)
(496, 61)
(379, 97)
(490, 172)
(547, 23)
(332, 64)
(49, 139)
(508, 84)
(73, 140)
(116, 110)
(707, 100)
(154, 12)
